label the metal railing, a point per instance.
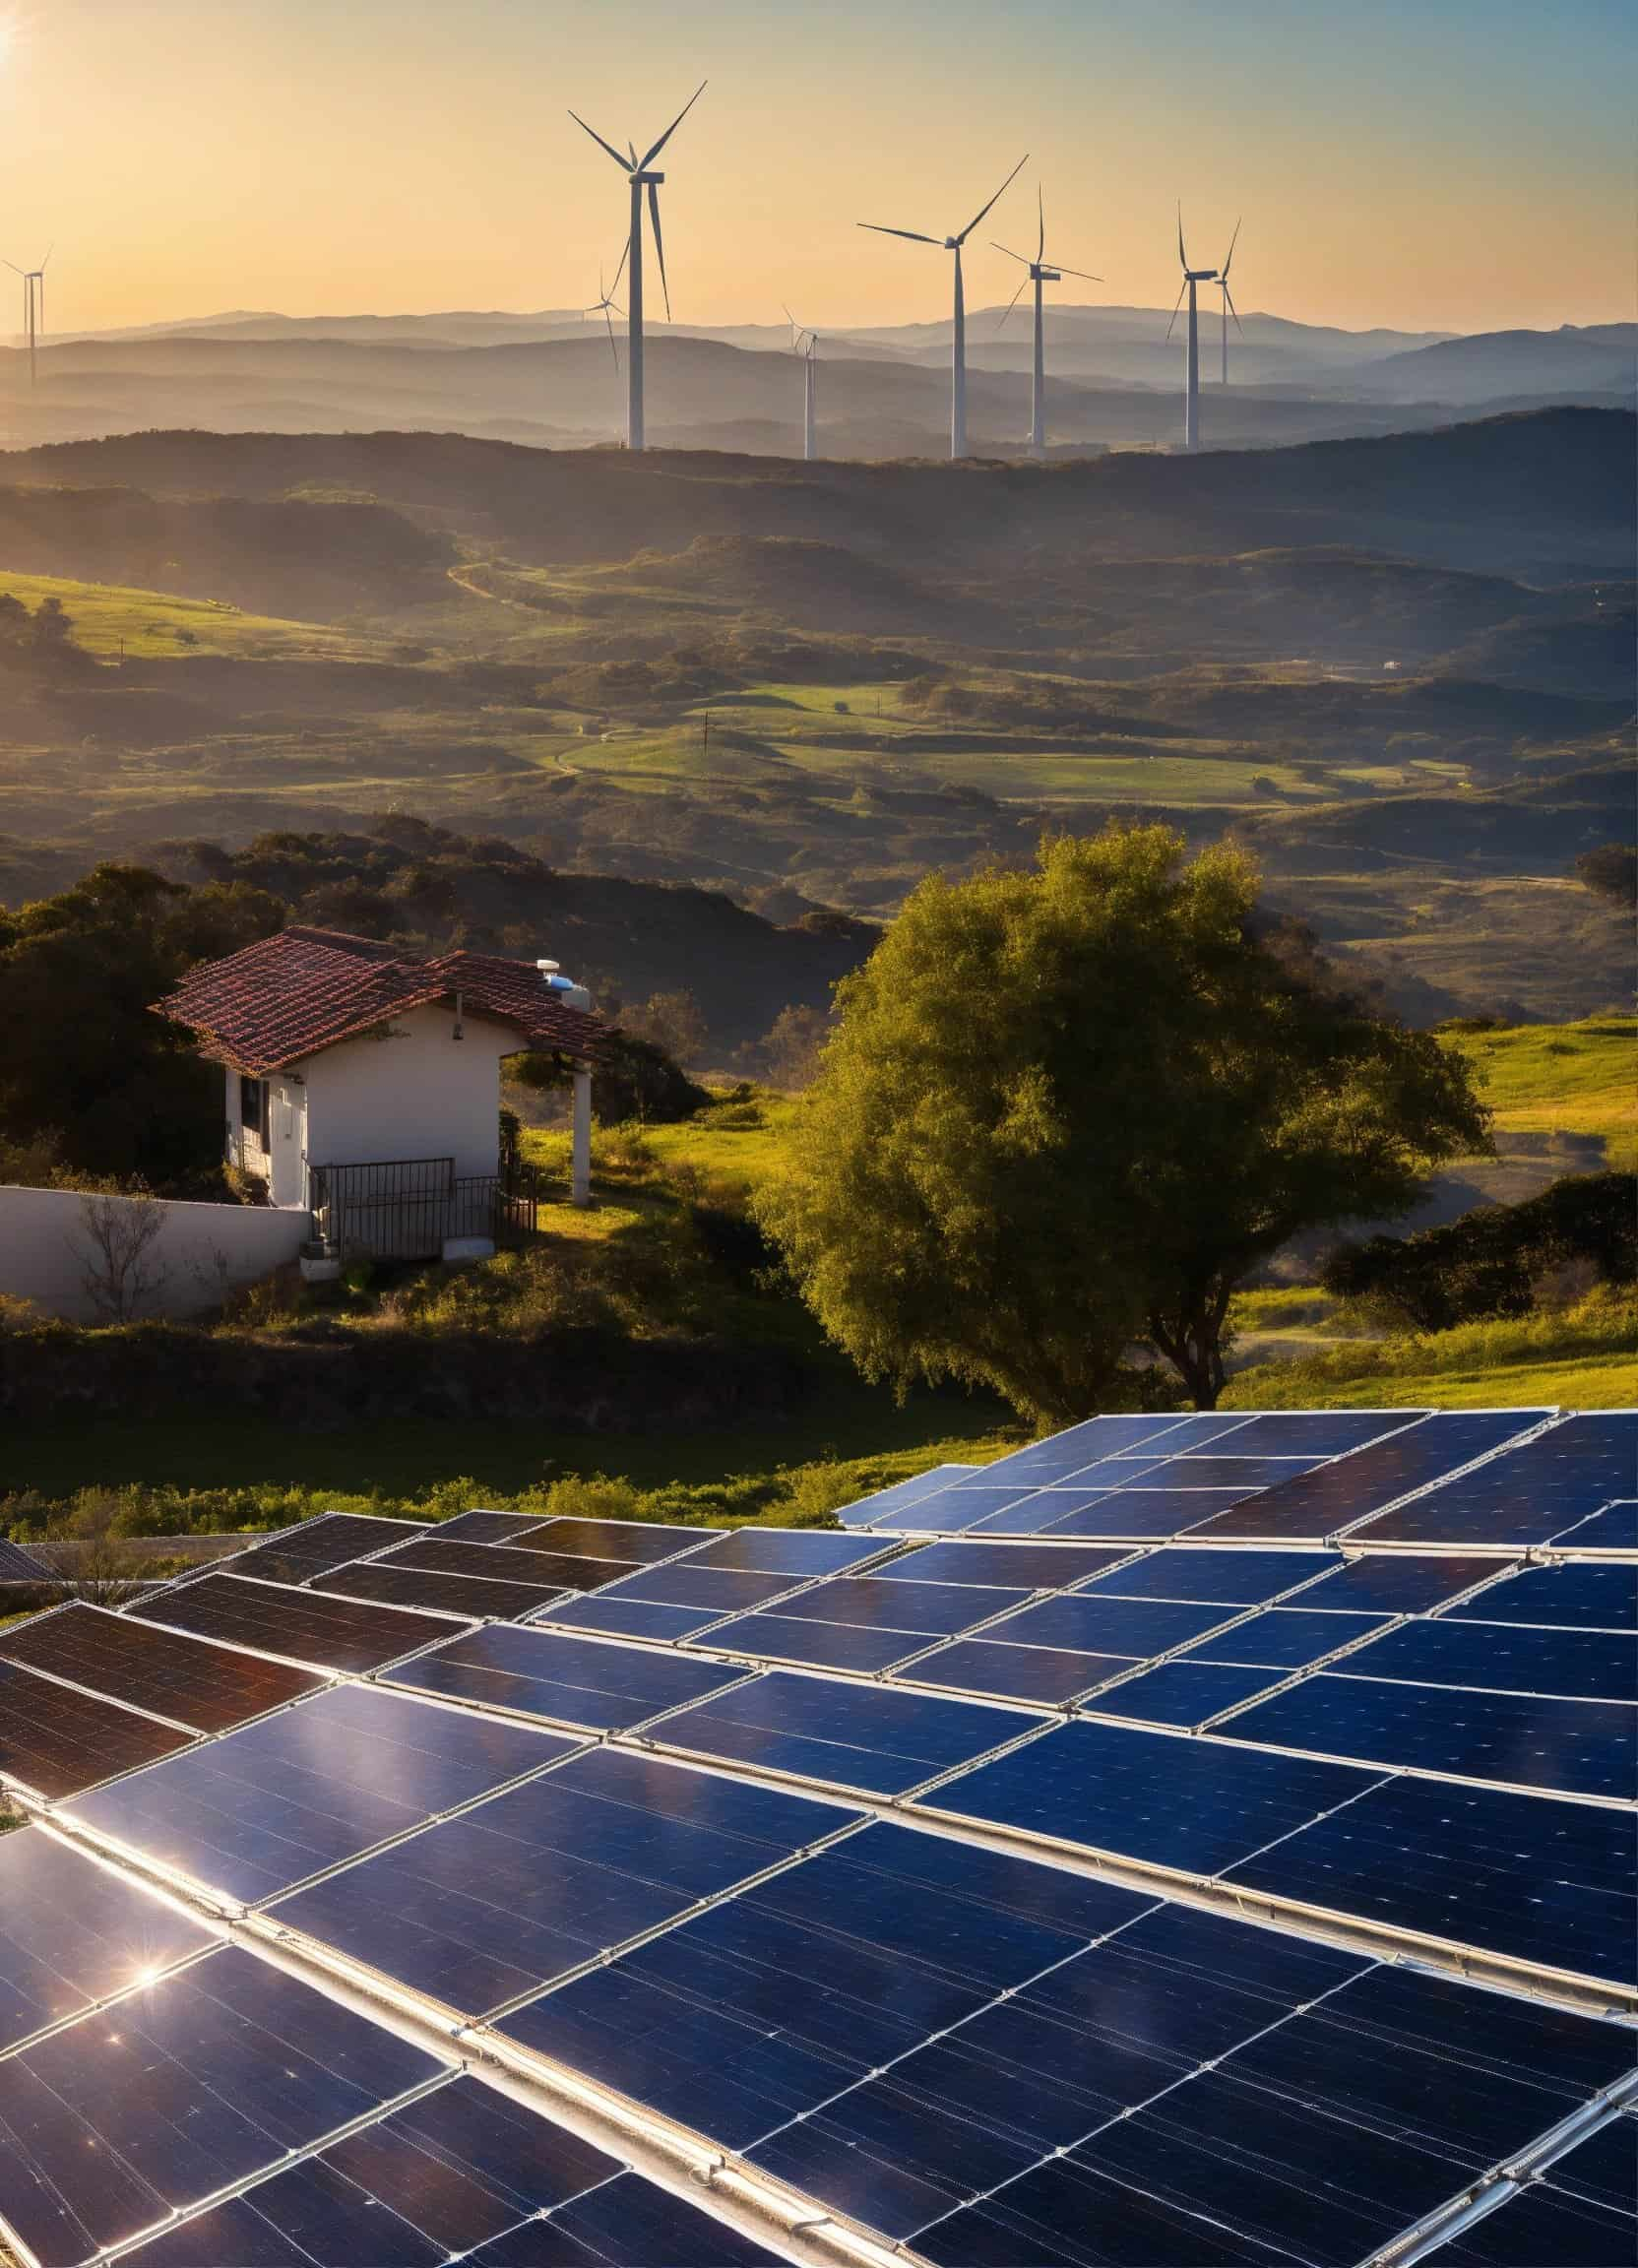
(407, 1208)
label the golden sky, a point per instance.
(1456, 164)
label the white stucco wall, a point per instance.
(276, 1154)
(44, 1251)
(417, 1091)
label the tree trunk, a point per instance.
(1193, 1344)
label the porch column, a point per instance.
(580, 1172)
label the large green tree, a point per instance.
(1068, 1110)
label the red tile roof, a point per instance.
(276, 1002)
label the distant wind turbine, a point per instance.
(605, 302)
(1039, 273)
(33, 307)
(1191, 387)
(1228, 307)
(806, 344)
(639, 173)
(958, 342)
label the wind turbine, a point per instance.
(33, 306)
(1192, 389)
(639, 173)
(958, 341)
(605, 301)
(1039, 273)
(806, 345)
(1228, 307)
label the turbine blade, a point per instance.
(1011, 255)
(17, 271)
(1177, 302)
(1041, 209)
(1182, 256)
(624, 163)
(913, 235)
(1011, 304)
(1006, 184)
(659, 246)
(672, 129)
(626, 255)
(612, 348)
(1229, 302)
(1233, 242)
(1085, 275)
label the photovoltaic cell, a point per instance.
(626, 2221)
(641, 1541)
(262, 1808)
(1049, 1674)
(1614, 1529)
(880, 1739)
(509, 1562)
(869, 1511)
(1143, 1514)
(1526, 1494)
(1197, 1805)
(449, 2169)
(1579, 1664)
(1575, 1748)
(154, 2104)
(1285, 1638)
(952, 1512)
(325, 1542)
(1579, 1596)
(1332, 1497)
(1226, 1577)
(1315, 1432)
(468, 1596)
(565, 1680)
(928, 1610)
(724, 1590)
(1584, 2210)
(629, 1618)
(73, 1932)
(1185, 1693)
(491, 1526)
(58, 1741)
(1222, 1470)
(1014, 1566)
(1536, 1877)
(1086, 1622)
(200, 1686)
(1394, 1583)
(302, 1626)
(798, 1552)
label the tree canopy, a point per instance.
(1066, 1110)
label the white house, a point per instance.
(366, 1087)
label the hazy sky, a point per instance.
(1437, 163)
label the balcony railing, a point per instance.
(409, 1207)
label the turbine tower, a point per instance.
(640, 175)
(1191, 388)
(1039, 273)
(605, 301)
(1228, 307)
(958, 341)
(806, 345)
(33, 308)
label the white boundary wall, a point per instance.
(200, 1251)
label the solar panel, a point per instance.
(987, 1665)
(1538, 1877)
(20, 1566)
(874, 1738)
(564, 1680)
(630, 1619)
(479, 1910)
(71, 1932)
(156, 2103)
(628, 2220)
(304, 1626)
(1614, 1529)
(862, 1621)
(792, 1551)
(1014, 1566)
(1579, 1664)
(264, 1808)
(1526, 1494)
(1395, 1583)
(723, 1591)
(471, 1596)
(643, 1541)
(956, 1510)
(869, 1511)
(790, 1991)
(1583, 1596)
(1286, 1638)
(1317, 1433)
(1185, 1693)
(57, 1741)
(324, 1541)
(1085, 1622)
(1585, 2211)
(509, 1562)
(1138, 1514)
(1333, 1497)
(1222, 1577)
(196, 1684)
(1174, 1801)
(491, 1526)
(1222, 1470)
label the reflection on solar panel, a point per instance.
(200, 1686)
(1335, 1497)
(1580, 1665)
(326, 1542)
(873, 1510)
(57, 1741)
(630, 1617)
(626, 2221)
(1286, 1638)
(1583, 2212)
(71, 1932)
(862, 1621)
(468, 1596)
(1085, 1622)
(490, 1527)
(643, 1541)
(792, 1551)
(1139, 1513)
(263, 1808)
(300, 1625)
(509, 1562)
(536, 1882)
(1016, 1566)
(990, 1666)
(1395, 1584)
(707, 1594)
(1576, 1598)
(565, 1680)
(1614, 1529)
(1526, 1494)
(156, 2103)
(1227, 1578)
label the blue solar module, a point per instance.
(777, 1998)
(1049, 1674)
(566, 1680)
(928, 1609)
(1073, 1450)
(1224, 1577)
(1222, 1470)
(1574, 1747)
(1016, 1566)
(724, 1590)
(71, 1932)
(870, 1511)
(876, 1737)
(630, 1619)
(262, 1808)
(1043, 1508)
(449, 2169)
(1085, 1622)
(627, 2223)
(1579, 1596)
(158, 2102)
(491, 1526)
(798, 1552)
(1534, 1876)
(1143, 1514)
(1528, 1493)
(1197, 1805)
(1185, 1693)
(953, 1511)
(482, 1908)
(1614, 1529)
(1078, 2047)
(1584, 2210)
(1333, 1497)
(1579, 1664)
(1315, 1433)
(1285, 1638)
(646, 1541)
(816, 1645)
(1395, 1583)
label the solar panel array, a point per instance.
(1185, 1840)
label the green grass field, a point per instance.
(111, 618)
(1564, 1079)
